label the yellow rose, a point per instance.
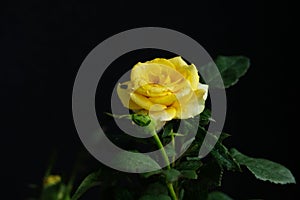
(165, 89)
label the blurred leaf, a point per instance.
(64, 193)
(155, 197)
(90, 181)
(138, 161)
(181, 194)
(189, 174)
(51, 192)
(53, 188)
(171, 175)
(52, 160)
(216, 195)
(263, 169)
(230, 68)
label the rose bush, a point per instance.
(165, 89)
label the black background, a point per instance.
(43, 45)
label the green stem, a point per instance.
(163, 152)
(165, 157)
(172, 191)
(173, 145)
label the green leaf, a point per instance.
(190, 174)
(138, 161)
(190, 165)
(194, 190)
(263, 169)
(193, 158)
(118, 116)
(171, 175)
(141, 120)
(90, 181)
(187, 144)
(219, 151)
(148, 174)
(168, 130)
(224, 158)
(216, 195)
(231, 68)
(212, 138)
(53, 192)
(181, 194)
(155, 197)
(156, 189)
(205, 117)
(223, 136)
(211, 175)
(123, 194)
(170, 151)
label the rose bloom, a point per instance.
(165, 89)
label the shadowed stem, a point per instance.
(165, 157)
(173, 145)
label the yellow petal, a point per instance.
(205, 88)
(192, 76)
(152, 90)
(162, 61)
(178, 61)
(190, 72)
(184, 94)
(187, 107)
(164, 100)
(52, 180)
(165, 80)
(145, 103)
(141, 71)
(164, 115)
(124, 95)
(178, 85)
(154, 73)
(200, 93)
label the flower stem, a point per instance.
(173, 145)
(165, 157)
(172, 191)
(163, 152)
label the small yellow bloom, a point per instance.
(165, 88)
(52, 180)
